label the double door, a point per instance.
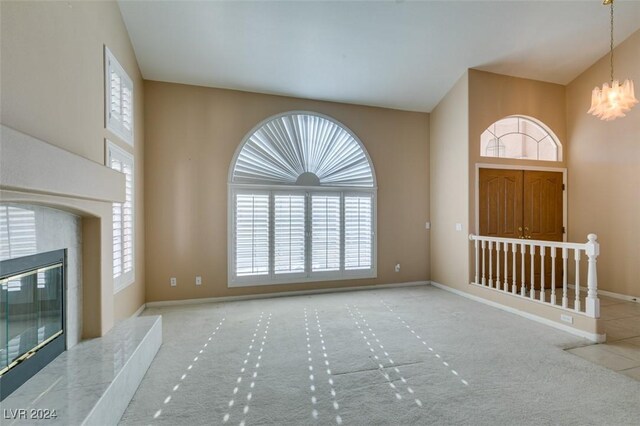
(526, 205)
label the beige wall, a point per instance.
(495, 96)
(192, 134)
(477, 100)
(52, 88)
(449, 186)
(604, 173)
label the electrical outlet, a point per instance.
(458, 227)
(397, 267)
(174, 282)
(566, 318)
(427, 225)
(198, 280)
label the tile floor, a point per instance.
(620, 320)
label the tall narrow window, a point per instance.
(358, 232)
(123, 219)
(289, 228)
(118, 98)
(302, 192)
(252, 234)
(325, 231)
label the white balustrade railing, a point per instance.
(517, 266)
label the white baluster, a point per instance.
(491, 264)
(576, 303)
(532, 292)
(553, 276)
(484, 264)
(475, 243)
(514, 288)
(506, 267)
(542, 283)
(498, 265)
(523, 250)
(565, 272)
(592, 307)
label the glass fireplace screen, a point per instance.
(31, 308)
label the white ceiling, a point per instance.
(403, 55)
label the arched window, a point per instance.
(302, 199)
(521, 138)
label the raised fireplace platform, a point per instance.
(93, 382)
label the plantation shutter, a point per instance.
(358, 230)
(286, 147)
(116, 212)
(123, 216)
(126, 107)
(17, 232)
(301, 204)
(289, 233)
(325, 232)
(127, 219)
(116, 94)
(252, 234)
(119, 99)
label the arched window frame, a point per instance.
(269, 190)
(501, 147)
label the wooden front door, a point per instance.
(526, 205)
(542, 212)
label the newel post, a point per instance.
(592, 303)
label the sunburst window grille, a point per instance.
(302, 204)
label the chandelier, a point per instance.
(612, 101)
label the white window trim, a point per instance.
(125, 279)
(114, 125)
(308, 276)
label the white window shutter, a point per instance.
(127, 105)
(123, 216)
(116, 212)
(252, 234)
(301, 204)
(287, 146)
(118, 99)
(358, 231)
(289, 230)
(17, 232)
(325, 232)
(115, 98)
(127, 220)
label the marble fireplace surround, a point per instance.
(35, 172)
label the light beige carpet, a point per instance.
(399, 356)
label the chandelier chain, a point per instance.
(611, 44)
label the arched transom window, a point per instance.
(302, 202)
(521, 138)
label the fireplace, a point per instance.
(32, 316)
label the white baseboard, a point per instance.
(139, 311)
(613, 295)
(281, 294)
(597, 338)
